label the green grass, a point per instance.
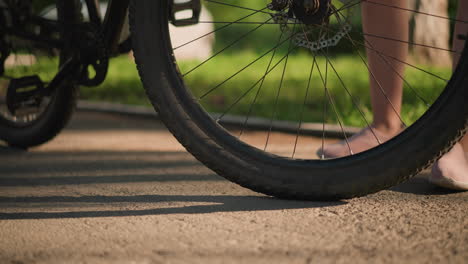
(350, 69)
(124, 86)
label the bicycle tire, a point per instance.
(62, 103)
(368, 172)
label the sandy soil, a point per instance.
(115, 189)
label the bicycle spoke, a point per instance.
(303, 107)
(416, 11)
(225, 48)
(400, 76)
(403, 62)
(345, 7)
(324, 115)
(249, 99)
(245, 22)
(324, 99)
(218, 29)
(258, 91)
(245, 67)
(327, 94)
(332, 102)
(382, 90)
(236, 6)
(273, 116)
(398, 40)
(392, 67)
(406, 42)
(261, 81)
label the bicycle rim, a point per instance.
(281, 172)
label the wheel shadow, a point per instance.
(20, 168)
(50, 168)
(218, 203)
(78, 169)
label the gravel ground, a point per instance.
(116, 189)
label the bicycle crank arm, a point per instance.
(70, 68)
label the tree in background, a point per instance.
(432, 31)
(427, 30)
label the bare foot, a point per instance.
(451, 171)
(367, 138)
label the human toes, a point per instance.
(360, 142)
(334, 151)
(451, 170)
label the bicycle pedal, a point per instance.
(189, 11)
(24, 92)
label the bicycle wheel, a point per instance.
(184, 92)
(34, 48)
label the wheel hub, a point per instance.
(314, 14)
(311, 12)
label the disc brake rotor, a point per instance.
(314, 36)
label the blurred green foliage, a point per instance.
(264, 36)
(38, 4)
(123, 85)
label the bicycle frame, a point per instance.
(109, 31)
(113, 21)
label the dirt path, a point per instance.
(115, 189)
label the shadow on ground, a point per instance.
(48, 168)
(97, 167)
(37, 165)
(222, 203)
(34, 169)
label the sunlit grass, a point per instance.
(123, 85)
(353, 80)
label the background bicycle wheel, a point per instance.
(29, 57)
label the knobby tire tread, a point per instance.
(174, 112)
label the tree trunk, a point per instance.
(432, 31)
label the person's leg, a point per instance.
(386, 85)
(451, 170)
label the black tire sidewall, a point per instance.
(360, 174)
